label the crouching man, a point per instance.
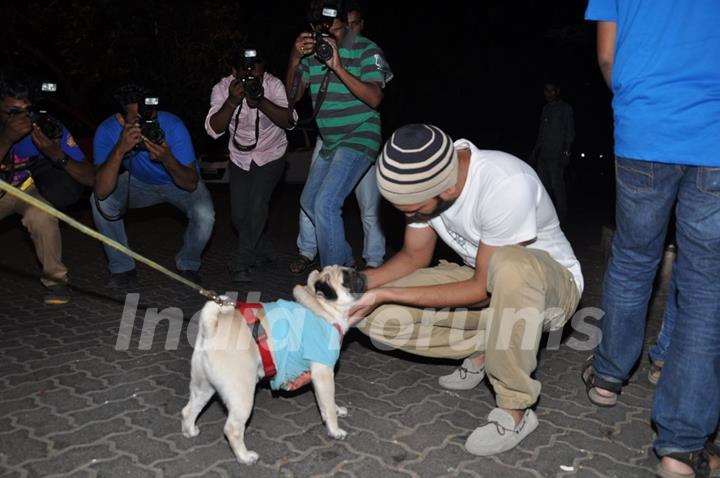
(491, 208)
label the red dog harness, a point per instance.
(247, 310)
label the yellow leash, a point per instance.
(25, 197)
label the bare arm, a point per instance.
(304, 44)
(81, 171)
(454, 294)
(369, 92)
(106, 175)
(221, 119)
(606, 32)
(416, 253)
(184, 177)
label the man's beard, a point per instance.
(442, 206)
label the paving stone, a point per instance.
(258, 470)
(490, 468)
(195, 460)
(321, 461)
(81, 383)
(389, 452)
(384, 426)
(69, 460)
(63, 400)
(18, 446)
(42, 420)
(429, 436)
(371, 468)
(123, 466)
(159, 424)
(87, 434)
(611, 469)
(143, 448)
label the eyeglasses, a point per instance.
(16, 111)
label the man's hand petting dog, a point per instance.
(369, 301)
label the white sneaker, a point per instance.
(500, 434)
(465, 377)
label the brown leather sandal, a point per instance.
(593, 383)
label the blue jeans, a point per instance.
(658, 351)
(368, 198)
(687, 399)
(196, 205)
(329, 183)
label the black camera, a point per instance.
(251, 83)
(321, 30)
(149, 125)
(50, 126)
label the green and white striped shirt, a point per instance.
(344, 120)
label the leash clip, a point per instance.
(217, 298)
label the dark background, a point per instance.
(476, 69)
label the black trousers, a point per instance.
(250, 193)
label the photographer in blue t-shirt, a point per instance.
(144, 157)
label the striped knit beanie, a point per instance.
(417, 163)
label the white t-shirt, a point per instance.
(503, 203)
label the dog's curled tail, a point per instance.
(209, 317)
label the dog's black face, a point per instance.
(354, 281)
(326, 283)
(327, 291)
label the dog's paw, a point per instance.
(338, 434)
(341, 411)
(249, 458)
(190, 431)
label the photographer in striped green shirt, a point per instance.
(345, 75)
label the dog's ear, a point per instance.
(354, 281)
(327, 291)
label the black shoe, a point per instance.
(240, 276)
(57, 294)
(122, 280)
(192, 276)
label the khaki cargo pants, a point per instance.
(45, 234)
(530, 293)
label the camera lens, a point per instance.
(323, 50)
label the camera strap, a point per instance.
(318, 100)
(249, 147)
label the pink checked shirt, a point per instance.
(272, 140)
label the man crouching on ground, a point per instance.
(491, 208)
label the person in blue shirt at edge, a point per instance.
(22, 141)
(661, 58)
(132, 171)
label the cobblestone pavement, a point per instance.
(73, 403)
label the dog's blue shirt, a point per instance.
(298, 338)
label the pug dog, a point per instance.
(303, 339)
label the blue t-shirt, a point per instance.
(666, 78)
(143, 168)
(25, 149)
(299, 337)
